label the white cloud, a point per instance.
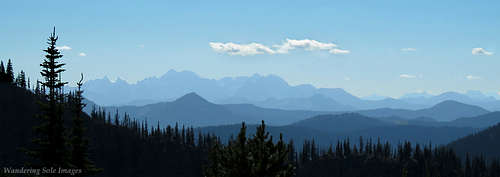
(407, 76)
(339, 51)
(347, 78)
(141, 46)
(481, 51)
(408, 49)
(471, 77)
(240, 49)
(285, 47)
(82, 54)
(306, 44)
(64, 47)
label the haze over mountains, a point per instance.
(265, 91)
(191, 109)
(300, 112)
(445, 111)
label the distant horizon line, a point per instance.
(366, 97)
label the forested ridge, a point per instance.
(486, 143)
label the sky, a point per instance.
(365, 47)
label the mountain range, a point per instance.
(328, 129)
(268, 91)
(444, 111)
(192, 109)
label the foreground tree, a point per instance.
(258, 156)
(3, 75)
(21, 80)
(9, 77)
(51, 140)
(79, 145)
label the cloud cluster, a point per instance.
(481, 51)
(339, 51)
(240, 49)
(471, 77)
(82, 54)
(407, 76)
(64, 47)
(288, 45)
(307, 44)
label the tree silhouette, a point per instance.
(79, 144)
(3, 75)
(9, 78)
(21, 80)
(257, 156)
(51, 140)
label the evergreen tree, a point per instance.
(37, 88)
(3, 75)
(257, 156)
(117, 120)
(21, 79)
(52, 150)
(79, 145)
(9, 77)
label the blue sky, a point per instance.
(138, 39)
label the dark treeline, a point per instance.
(384, 160)
(119, 146)
(126, 147)
(7, 76)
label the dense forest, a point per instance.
(42, 126)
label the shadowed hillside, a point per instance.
(122, 151)
(444, 111)
(486, 143)
(192, 109)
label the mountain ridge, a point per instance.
(256, 89)
(447, 110)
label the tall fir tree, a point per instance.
(2, 72)
(21, 79)
(52, 148)
(79, 144)
(9, 77)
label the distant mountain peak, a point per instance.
(457, 109)
(457, 106)
(448, 103)
(191, 98)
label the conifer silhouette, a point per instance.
(257, 156)
(52, 148)
(3, 75)
(79, 145)
(9, 77)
